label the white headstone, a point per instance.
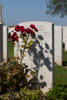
(5, 43)
(58, 44)
(0, 14)
(40, 56)
(65, 37)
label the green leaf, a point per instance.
(24, 41)
(31, 43)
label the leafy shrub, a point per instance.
(24, 94)
(3, 78)
(14, 76)
(58, 92)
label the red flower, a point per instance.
(27, 30)
(22, 29)
(14, 34)
(16, 38)
(17, 28)
(23, 34)
(36, 29)
(12, 38)
(32, 32)
(32, 26)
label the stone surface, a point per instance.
(1, 42)
(0, 14)
(5, 43)
(65, 37)
(40, 57)
(58, 44)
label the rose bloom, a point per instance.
(12, 38)
(23, 34)
(32, 26)
(17, 28)
(32, 32)
(16, 38)
(29, 31)
(14, 34)
(36, 29)
(22, 29)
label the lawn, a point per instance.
(60, 72)
(60, 75)
(10, 49)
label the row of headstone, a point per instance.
(46, 51)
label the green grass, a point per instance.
(60, 75)
(10, 49)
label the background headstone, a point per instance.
(58, 44)
(65, 37)
(5, 43)
(1, 42)
(1, 35)
(0, 14)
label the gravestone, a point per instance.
(1, 35)
(41, 56)
(65, 37)
(0, 14)
(1, 42)
(58, 44)
(5, 44)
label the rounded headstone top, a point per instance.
(34, 22)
